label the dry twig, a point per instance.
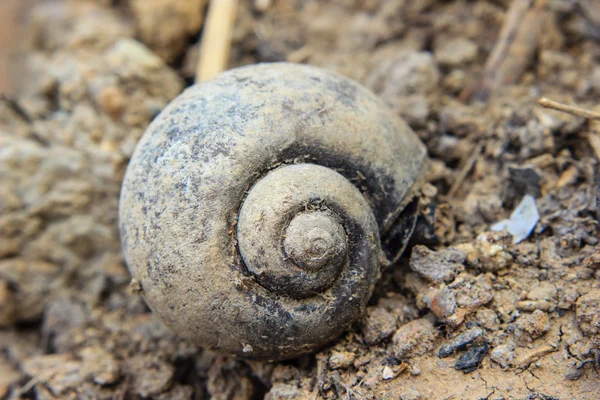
(515, 47)
(466, 168)
(577, 111)
(216, 40)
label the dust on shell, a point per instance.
(192, 170)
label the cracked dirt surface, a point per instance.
(466, 314)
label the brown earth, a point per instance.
(470, 316)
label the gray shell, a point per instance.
(275, 142)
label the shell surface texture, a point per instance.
(253, 209)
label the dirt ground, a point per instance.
(466, 314)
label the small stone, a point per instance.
(379, 325)
(415, 338)
(363, 360)
(543, 291)
(341, 359)
(488, 252)
(588, 312)
(437, 266)
(455, 80)
(503, 354)
(416, 371)
(461, 342)
(411, 394)
(543, 297)
(247, 348)
(165, 25)
(405, 81)
(31, 281)
(388, 373)
(454, 52)
(523, 180)
(100, 365)
(112, 100)
(150, 374)
(487, 318)
(131, 52)
(457, 318)
(531, 326)
(472, 292)
(441, 302)
(62, 319)
(472, 359)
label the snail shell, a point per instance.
(252, 208)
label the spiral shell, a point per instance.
(252, 208)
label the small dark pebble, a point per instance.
(522, 180)
(471, 360)
(460, 342)
(577, 371)
(425, 230)
(541, 396)
(391, 361)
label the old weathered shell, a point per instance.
(252, 209)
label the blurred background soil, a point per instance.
(12, 27)
(471, 316)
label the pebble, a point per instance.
(411, 394)
(130, 51)
(416, 371)
(531, 326)
(151, 375)
(472, 292)
(405, 81)
(415, 338)
(588, 312)
(488, 251)
(441, 302)
(341, 359)
(387, 373)
(542, 296)
(503, 354)
(461, 342)
(455, 51)
(487, 318)
(379, 325)
(166, 25)
(100, 365)
(524, 179)
(437, 266)
(112, 100)
(470, 361)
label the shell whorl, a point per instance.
(310, 154)
(299, 227)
